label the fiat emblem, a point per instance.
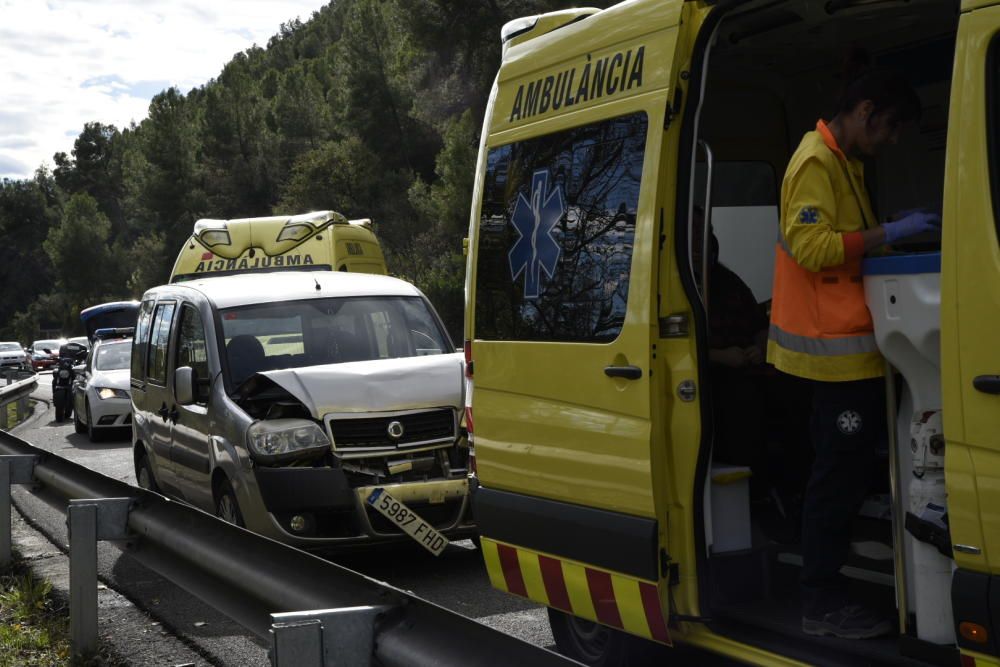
(395, 430)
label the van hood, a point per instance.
(376, 386)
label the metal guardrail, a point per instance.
(343, 618)
(19, 385)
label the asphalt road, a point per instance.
(456, 580)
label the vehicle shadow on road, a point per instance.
(112, 439)
(434, 578)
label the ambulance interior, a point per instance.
(773, 69)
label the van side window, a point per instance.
(158, 343)
(556, 232)
(140, 344)
(191, 351)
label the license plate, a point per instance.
(408, 521)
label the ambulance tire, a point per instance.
(598, 645)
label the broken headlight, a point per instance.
(274, 440)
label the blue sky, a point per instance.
(67, 62)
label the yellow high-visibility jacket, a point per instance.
(820, 325)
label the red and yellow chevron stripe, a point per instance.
(609, 598)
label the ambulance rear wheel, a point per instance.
(595, 644)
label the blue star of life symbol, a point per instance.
(536, 250)
(809, 215)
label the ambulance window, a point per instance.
(140, 343)
(556, 233)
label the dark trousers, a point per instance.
(847, 426)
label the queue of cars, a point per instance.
(286, 386)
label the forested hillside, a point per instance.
(371, 107)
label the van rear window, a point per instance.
(556, 232)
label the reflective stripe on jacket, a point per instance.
(821, 328)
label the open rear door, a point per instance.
(970, 314)
(114, 315)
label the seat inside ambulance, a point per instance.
(773, 69)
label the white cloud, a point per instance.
(68, 62)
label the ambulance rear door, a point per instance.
(970, 320)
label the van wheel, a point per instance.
(144, 474)
(598, 645)
(226, 507)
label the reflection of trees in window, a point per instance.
(599, 167)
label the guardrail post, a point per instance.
(16, 469)
(22, 408)
(89, 522)
(342, 637)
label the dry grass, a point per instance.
(34, 626)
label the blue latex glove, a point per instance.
(913, 224)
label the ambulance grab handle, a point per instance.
(988, 384)
(627, 372)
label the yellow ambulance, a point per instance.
(318, 241)
(601, 491)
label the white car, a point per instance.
(13, 356)
(101, 395)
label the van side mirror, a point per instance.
(185, 379)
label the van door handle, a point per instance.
(163, 412)
(988, 384)
(627, 372)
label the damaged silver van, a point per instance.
(318, 408)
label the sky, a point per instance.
(64, 63)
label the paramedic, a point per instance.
(821, 330)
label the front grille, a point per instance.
(373, 432)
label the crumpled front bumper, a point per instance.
(443, 503)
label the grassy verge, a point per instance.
(34, 626)
(12, 420)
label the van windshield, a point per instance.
(294, 334)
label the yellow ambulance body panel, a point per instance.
(587, 325)
(323, 240)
